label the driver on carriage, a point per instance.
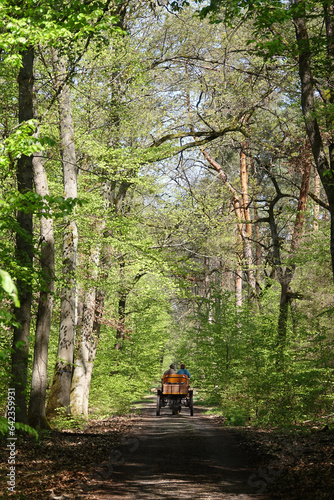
(183, 371)
(171, 370)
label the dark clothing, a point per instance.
(183, 371)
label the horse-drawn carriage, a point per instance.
(175, 392)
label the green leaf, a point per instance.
(8, 286)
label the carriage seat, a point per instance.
(175, 379)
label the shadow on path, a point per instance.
(176, 456)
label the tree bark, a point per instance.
(61, 385)
(122, 296)
(316, 209)
(287, 276)
(85, 355)
(324, 166)
(37, 417)
(244, 190)
(24, 247)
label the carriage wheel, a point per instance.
(191, 404)
(158, 404)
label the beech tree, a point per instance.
(24, 244)
(60, 390)
(37, 402)
(30, 30)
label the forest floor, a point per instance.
(171, 457)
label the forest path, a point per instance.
(177, 456)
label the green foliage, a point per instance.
(236, 366)
(42, 23)
(123, 376)
(64, 421)
(4, 427)
(6, 283)
(8, 297)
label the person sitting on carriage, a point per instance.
(171, 370)
(183, 370)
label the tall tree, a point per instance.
(323, 161)
(24, 244)
(37, 416)
(61, 385)
(93, 13)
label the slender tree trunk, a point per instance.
(93, 308)
(316, 209)
(61, 385)
(24, 247)
(258, 253)
(37, 416)
(94, 298)
(122, 296)
(99, 304)
(244, 190)
(93, 311)
(240, 209)
(238, 285)
(85, 356)
(247, 226)
(87, 347)
(287, 276)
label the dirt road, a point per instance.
(177, 456)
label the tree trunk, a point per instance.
(316, 209)
(61, 385)
(287, 276)
(37, 416)
(246, 226)
(24, 247)
(122, 296)
(87, 349)
(238, 287)
(94, 298)
(324, 167)
(258, 253)
(99, 304)
(244, 190)
(242, 213)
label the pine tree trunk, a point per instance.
(242, 213)
(24, 248)
(247, 226)
(61, 385)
